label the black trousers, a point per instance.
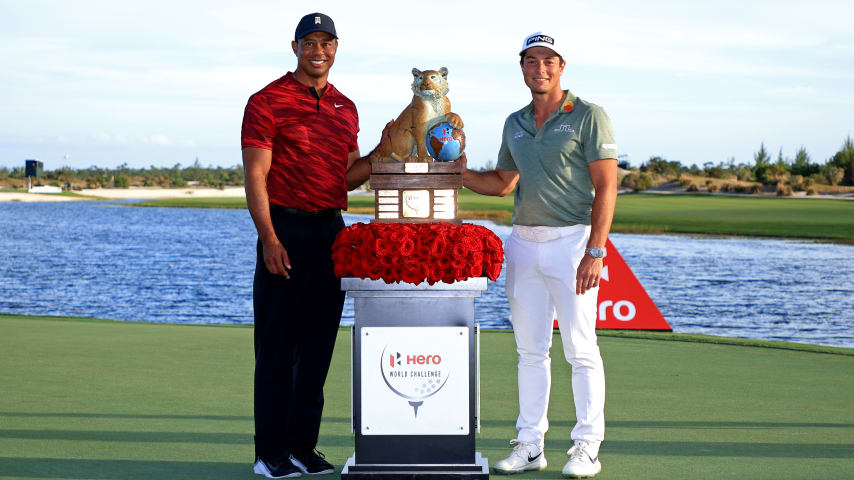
(296, 322)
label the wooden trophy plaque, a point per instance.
(416, 191)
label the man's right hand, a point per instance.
(276, 258)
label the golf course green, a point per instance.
(809, 218)
(97, 399)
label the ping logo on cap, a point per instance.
(540, 38)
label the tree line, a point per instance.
(124, 176)
(798, 172)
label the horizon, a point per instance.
(102, 84)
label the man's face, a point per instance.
(315, 53)
(542, 69)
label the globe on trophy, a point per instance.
(445, 143)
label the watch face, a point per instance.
(595, 252)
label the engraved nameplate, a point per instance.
(416, 203)
(413, 167)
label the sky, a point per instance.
(158, 83)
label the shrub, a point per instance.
(709, 182)
(638, 181)
(685, 181)
(755, 188)
(121, 181)
(713, 188)
(783, 190)
(812, 191)
(743, 173)
(834, 175)
(797, 183)
(818, 178)
(844, 160)
(727, 187)
(693, 187)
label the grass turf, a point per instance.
(101, 399)
(650, 213)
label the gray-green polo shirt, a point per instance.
(554, 186)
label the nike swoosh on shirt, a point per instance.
(338, 106)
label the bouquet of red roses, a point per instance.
(417, 252)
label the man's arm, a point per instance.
(256, 165)
(497, 183)
(603, 174)
(358, 170)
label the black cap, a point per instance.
(315, 22)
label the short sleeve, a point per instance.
(599, 142)
(505, 158)
(258, 129)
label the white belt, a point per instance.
(541, 234)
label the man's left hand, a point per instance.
(588, 274)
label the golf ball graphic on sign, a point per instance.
(414, 376)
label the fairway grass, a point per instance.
(817, 219)
(101, 399)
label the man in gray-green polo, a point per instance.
(560, 154)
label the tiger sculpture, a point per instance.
(405, 139)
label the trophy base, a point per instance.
(478, 470)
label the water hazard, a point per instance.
(101, 259)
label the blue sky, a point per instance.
(158, 83)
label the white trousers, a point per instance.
(541, 267)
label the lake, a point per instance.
(106, 260)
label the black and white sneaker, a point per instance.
(312, 462)
(583, 461)
(279, 469)
(524, 457)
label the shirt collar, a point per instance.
(292, 83)
(567, 106)
(568, 103)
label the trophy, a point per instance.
(415, 171)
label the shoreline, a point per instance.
(633, 334)
(649, 213)
(156, 193)
(142, 193)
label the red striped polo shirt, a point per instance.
(310, 139)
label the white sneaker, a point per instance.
(581, 464)
(525, 456)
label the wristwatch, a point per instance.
(595, 252)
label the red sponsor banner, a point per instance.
(623, 302)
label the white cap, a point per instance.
(540, 40)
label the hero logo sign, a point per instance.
(413, 376)
(623, 302)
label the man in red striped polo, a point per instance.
(299, 139)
